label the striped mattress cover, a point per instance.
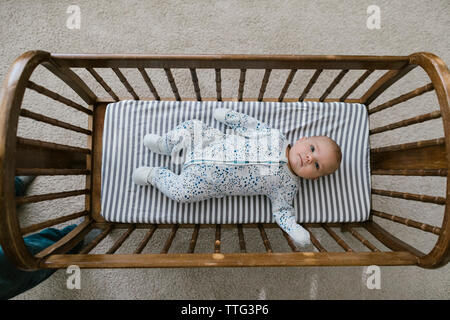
(343, 196)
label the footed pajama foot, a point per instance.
(152, 142)
(144, 176)
(300, 237)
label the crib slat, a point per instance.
(33, 156)
(287, 84)
(407, 122)
(242, 246)
(411, 145)
(340, 242)
(404, 97)
(50, 172)
(149, 83)
(407, 222)
(172, 84)
(218, 84)
(97, 240)
(217, 239)
(53, 122)
(125, 82)
(146, 239)
(333, 84)
(55, 96)
(170, 239)
(264, 238)
(72, 80)
(103, 83)
(289, 241)
(241, 84)
(384, 82)
(410, 172)
(52, 222)
(50, 145)
(264, 84)
(363, 240)
(311, 82)
(193, 241)
(121, 240)
(389, 240)
(50, 196)
(195, 82)
(314, 240)
(358, 82)
(410, 196)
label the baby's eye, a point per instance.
(317, 166)
(312, 148)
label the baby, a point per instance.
(254, 160)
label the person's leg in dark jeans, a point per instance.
(14, 281)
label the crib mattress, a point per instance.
(343, 196)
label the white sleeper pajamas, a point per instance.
(250, 161)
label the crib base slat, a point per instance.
(117, 225)
(96, 161)
(291, 259)
(106, 100)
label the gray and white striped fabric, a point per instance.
(343, 196)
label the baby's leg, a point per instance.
(179, 137)
(189, 186)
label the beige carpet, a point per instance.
(256, 27)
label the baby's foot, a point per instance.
(153, 142)
(144, 176)
(301, 237)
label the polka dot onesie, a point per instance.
(249, 160)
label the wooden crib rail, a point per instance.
(20, 156)
(230, 61)
(166, 257)
(239, 62)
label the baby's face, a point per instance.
(313, 157)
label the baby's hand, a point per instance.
(220, 114)
(300, 236)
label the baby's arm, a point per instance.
(243, 124)
(285, 218)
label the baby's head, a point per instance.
(313, 157)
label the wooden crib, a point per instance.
(22, 156)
